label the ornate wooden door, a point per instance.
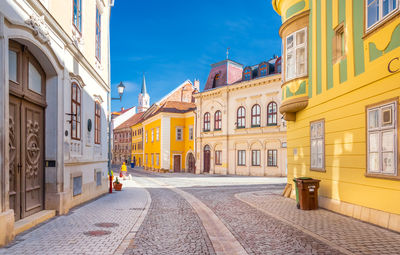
(26, 131)
(177, 163)
(207, 158)
(191, 163)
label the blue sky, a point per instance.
(172, 41)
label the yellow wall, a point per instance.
(342, 104)
(152, 147)
(137, 153)
(181, 147)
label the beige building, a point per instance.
(54, 108)
(238, 127)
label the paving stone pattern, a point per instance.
(257, 232)
(170, 227)
(355, 236)
(65, 234)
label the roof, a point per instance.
(122, 111)
(173, 91)
(174, 107)
(131, 121)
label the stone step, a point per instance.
(33, 220)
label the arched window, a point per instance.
(247, 74)
(255, 115)
(76, 112)
(263, 69)
(206, 125)
(218, 120)
(272, 114)
(241, 117)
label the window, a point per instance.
(97, 123)
(241, 117)
(272, 114)
(152, 135)
(255, 158)
(216, 78)
(317, 130)
(255, 116)
(77, 14)
(152, 159)
(241, 158)
(339, 44)
(218, 157)
(263, 70)
(206, 124)
(272, 157)
(382, 139)
(190, 133)
(98, 35)
(247, 74)
(157, 159)
(76, 112)
(217, 120)
(146, 136)
(378, 10)
(179, 134)
(158, 134)
(13, 66)
(296, 65)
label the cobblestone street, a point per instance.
(187, 214)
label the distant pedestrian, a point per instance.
(123, 170)
(134, 162)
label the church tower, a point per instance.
(144, 98)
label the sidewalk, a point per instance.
(349, 235)
(98, 227)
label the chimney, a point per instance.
(197, 84)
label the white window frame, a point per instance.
(317, 139)
(241, 157)
(274, 162)
(191, 133)
(152, 159)
(146, 136)
(158, 134)
(256, 157)
(381, 18)
(176, 133)
(218, 157)
(158, 159)
(294, 50)
(152, 135)
(380, 130)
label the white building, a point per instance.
(54, 106)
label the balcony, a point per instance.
(294, 98)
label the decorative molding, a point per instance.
(40, 29)
(98, 98)
(78, 78)
(290, 107)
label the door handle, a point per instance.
(19, 167)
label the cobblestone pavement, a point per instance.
(170, 227)
(66, 234)
(353, 235)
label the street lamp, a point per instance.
(121, 89)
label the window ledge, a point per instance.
(383, 176)
(255, 126)
(377, 26)
(322, 170)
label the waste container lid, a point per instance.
(302, 178)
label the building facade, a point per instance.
(54, 66)
(238, 128)
(137, 143)
(340, 95)
(169, 138)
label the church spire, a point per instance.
(144, 90)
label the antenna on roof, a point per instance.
(227, 52)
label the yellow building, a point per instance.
(341, 84)
(168, 132)
(137, 143)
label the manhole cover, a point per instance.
(97, 233)
(106, 225)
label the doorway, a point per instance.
(177, 163)
(207, 159)
(26, 132)
(191, 163)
